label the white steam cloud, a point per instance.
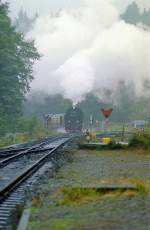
(89, 48)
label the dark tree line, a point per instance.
(16, 60)
(134, 16)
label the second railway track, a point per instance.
(9, 155)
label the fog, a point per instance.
(44, 7)
(89, 48)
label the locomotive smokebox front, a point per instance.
(74, 120)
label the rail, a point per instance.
(28, 172)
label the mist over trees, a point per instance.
(16, 60)
(39, 103)
(127, 106)
(133, 15)
(23, 22)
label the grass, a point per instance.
(24, 131)
(85, 195)
(55, 224)
(24, 137)
(60, 224)
(78, 195)
(73, 199)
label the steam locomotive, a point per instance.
(73, 120)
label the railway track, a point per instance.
(14, 149)
(8, 155)
(20, 172)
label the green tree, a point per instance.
(17, 57)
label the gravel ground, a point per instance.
(108, 212)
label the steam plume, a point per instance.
(89, 48)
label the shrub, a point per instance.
(25, 130)
(141, 139)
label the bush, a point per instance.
(141, 139)
(25, 130)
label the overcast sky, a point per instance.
(44, 6)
